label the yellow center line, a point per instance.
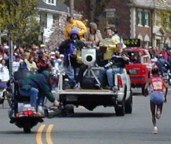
(48, 134)
(39, 134)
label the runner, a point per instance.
(157, 88)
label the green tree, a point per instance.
(18, 17)
(165, 18)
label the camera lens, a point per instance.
(89, 58)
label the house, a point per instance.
(135, 19)
(49, 11)
(146, 22)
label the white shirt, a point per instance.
(4, 73)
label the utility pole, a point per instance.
(0, 37)
(71, 7)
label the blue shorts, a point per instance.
(157, 97)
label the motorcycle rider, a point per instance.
(38, 86)
(162, 64)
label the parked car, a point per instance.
(139, 68)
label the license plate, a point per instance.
(71, 98)
(132, 71)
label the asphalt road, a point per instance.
(100, 126)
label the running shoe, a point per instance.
(155, 130)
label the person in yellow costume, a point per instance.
(73, 23)
(108, 44)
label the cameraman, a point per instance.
(71, 49)
(116, 65)
(119, 62)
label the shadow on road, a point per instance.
(92, 115)
(85, 115)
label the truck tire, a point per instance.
(68, 110)
(128, 104)
(120, 109)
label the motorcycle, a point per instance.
(167, 77)
(21, 113)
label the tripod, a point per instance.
(90, 72)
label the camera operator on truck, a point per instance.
(71, 49)
(116, 65)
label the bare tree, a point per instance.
(57, 35)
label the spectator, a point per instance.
(32, 66)
(4, 72)
(16, 62)
(43, 62)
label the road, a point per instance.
(98, 127)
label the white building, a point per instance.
(49, 11)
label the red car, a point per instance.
(139, 68)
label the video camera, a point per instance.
(88, 56)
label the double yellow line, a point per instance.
(48, 134)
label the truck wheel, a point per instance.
(68, 110)
(128, 104)
(120, 109)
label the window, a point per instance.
(139, 18)
(146, 19)
(158, 42)
(43, 20)
(111, 17)
(52, 2)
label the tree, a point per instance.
(57, 35)
(94, 8)
(18, 17)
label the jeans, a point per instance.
(33, 93)
(102, 77)
(71, 75)
(111, 75)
